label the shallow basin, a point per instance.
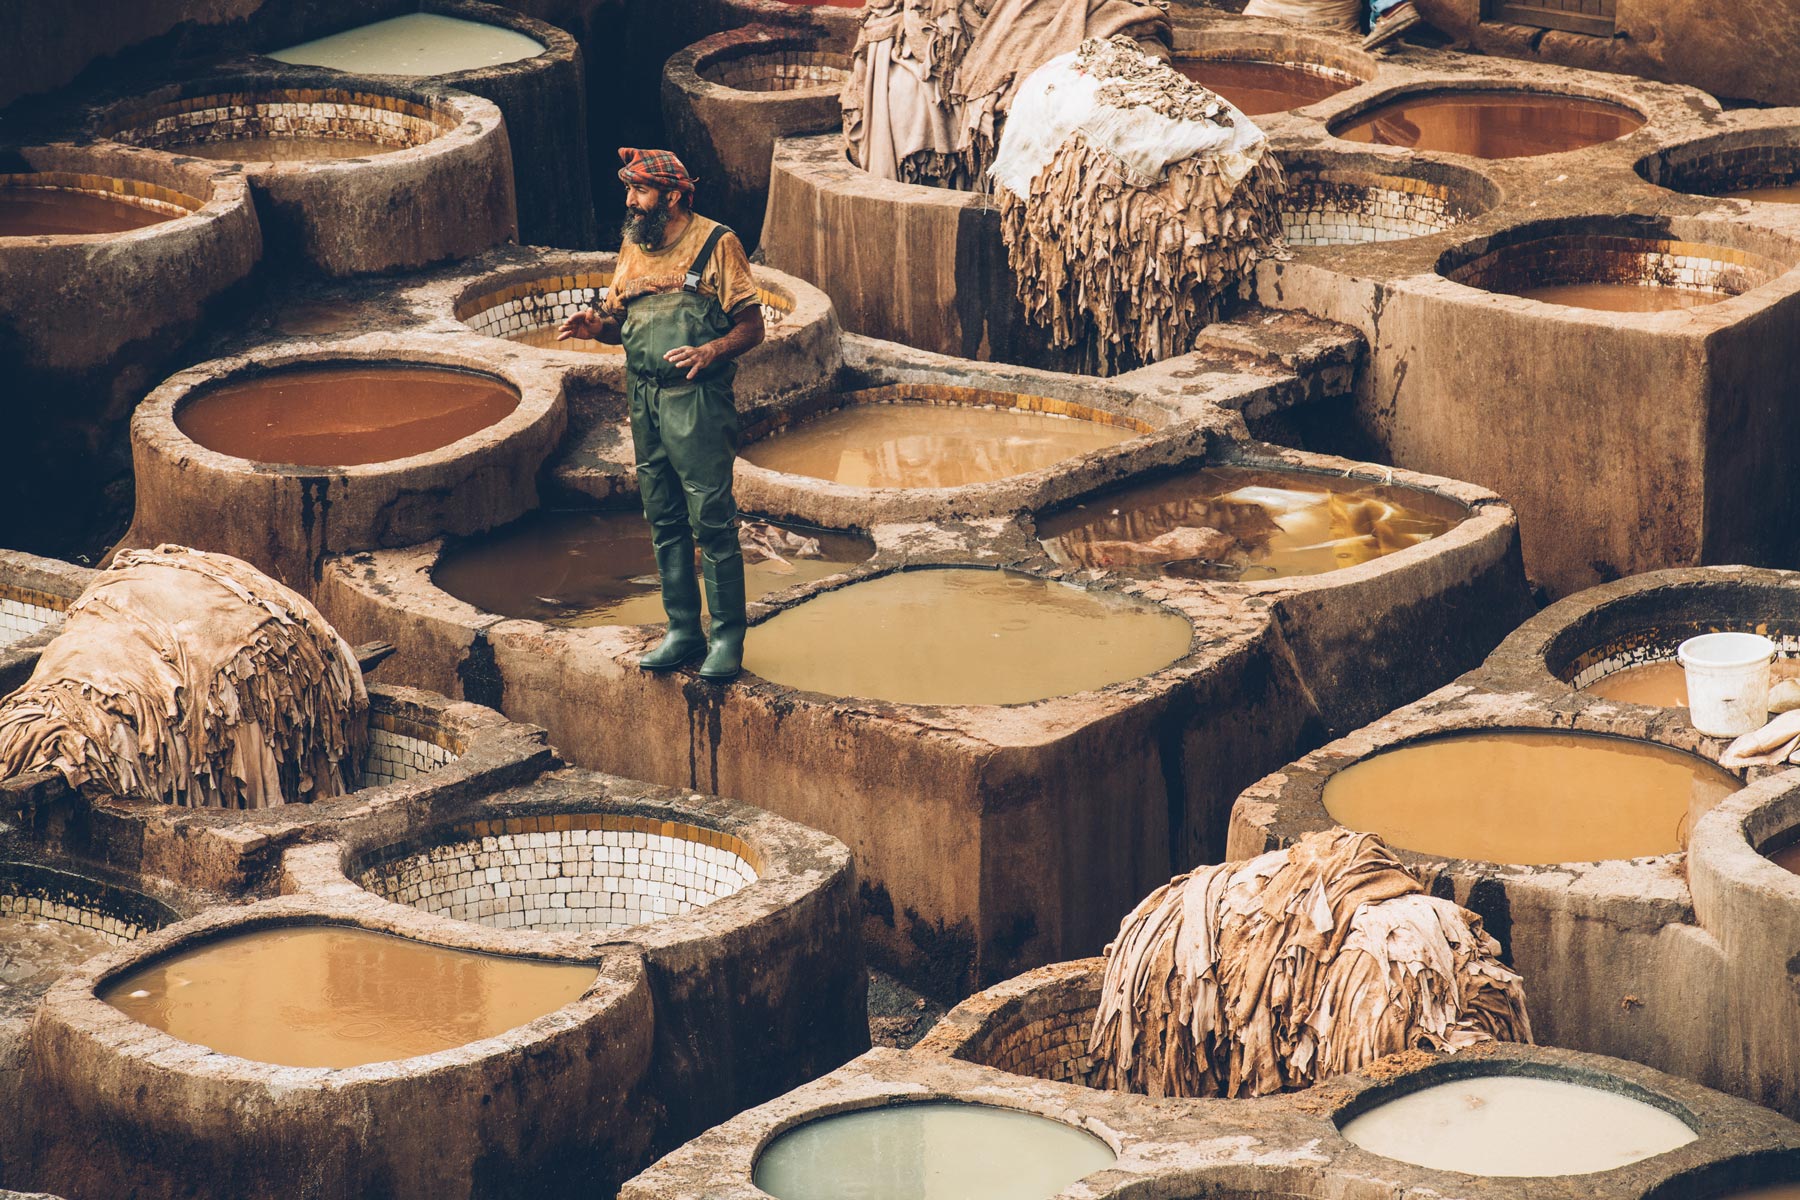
(336, 996)
(930, 1151)
(1510, 1125)
(1506, 124)
(964, 636)
(344, 415)
(413, 44)
(1519, 796)
(575, 569)
(1239, 523)
(1257, 87)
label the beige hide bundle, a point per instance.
(192, 678)
(1129, 255)
(1256, 977)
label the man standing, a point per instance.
(684, 305)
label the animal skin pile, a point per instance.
(1131, 201)
(1256, 977)
(192, 678)
(931, 80)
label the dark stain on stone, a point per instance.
(1487, 900)
(479, 673)
(706, 703)
(876, 903)
(946, 966)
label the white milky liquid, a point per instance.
(939, 1151)
(1515, 1126)
(416, 44)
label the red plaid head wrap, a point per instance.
(655, 168)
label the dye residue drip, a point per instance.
(1233, 523)
(1514, 796)
(582, 568)
(330, 996)
(1512, 1126)
(344, 416)
(36, 212)
(932, 1151)
(414, 44)
(1620, 297)
(1258, 88)
(35, 951)
(964, 636)
(1664, 684)
(543, 337)
(1784, 193)
(928, 445)
(1492, 124)
(283, 149)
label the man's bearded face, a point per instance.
(646, 225)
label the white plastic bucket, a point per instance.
(1727, 681)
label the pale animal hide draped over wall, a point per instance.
(1132, 201)
(1250, 978)
(192, 678)
(930, 80)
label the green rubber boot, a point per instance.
(725, 601)
(683, 642)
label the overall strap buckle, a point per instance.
(691, 282)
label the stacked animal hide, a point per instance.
(931, 80)
(192, 678)
(1257, 977)
(1132, 201)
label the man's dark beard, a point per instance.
(646, 229)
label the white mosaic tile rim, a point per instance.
(281, 118)
(541, 310)
(396, 756)
(572, 880)
(1785, 647)
(19, 620)
(116, 930)
(1339, 214)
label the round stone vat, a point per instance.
(551, 1104)
(1528, 797)
(1244, 524)
(1266, 69)
(94, 318)
(1036, 1024)
(903, 451)
(580, 568)
(522, 295)
(727, 98)
(1759, 165)
(472, 465)
(346, 181)
(913, 1151)
(532, 72)
(1275, 1148)
(965, 636)
(1335, 200)
(748, 922)
(1488, 123)
(1617, 265)
(1618, 641)
(52, 920)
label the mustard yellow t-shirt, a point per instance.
(645, 272)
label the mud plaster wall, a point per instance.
(1704, 45)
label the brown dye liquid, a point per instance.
(283, 149)
(344, 416)
(928, 445)
(543, 337)
(1620, 297)
(36, 951)
(1787, 193)
(1257, 88)
(328, 996)
(35, 212)
(1233, 523)
(576, 569)
(317, 316)
(1664, 684)
(1787, 858)
(1492, 124)
(964, 636)
(1522, 797)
